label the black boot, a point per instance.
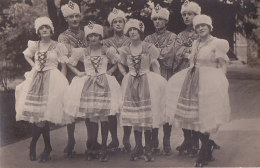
(104, 133)
(36, 133)
(167, 139)
(71, 140)
(126, 139)
(202, 158)
(138, 150)
(195, 143)
(185, 147)
(113, 146)
(148, 154)
(93, 147)
(211, 146)
(155, 141)
(45, 156)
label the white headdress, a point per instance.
(202, 19)
(93, 28)
(70, 9)
(160, 12)
(190, 6)
(43, 21)
(115, 14)
(134, 23)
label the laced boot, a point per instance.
(155, 141)
(45, 156)
(185, 147)
(148, 153)
(194, 143)
(36, 132)
(113, 146)
(69, 149)
(138, 150)
(211, 146)
(103, 155)
(126, 139)
(202, 157)
(167, 139)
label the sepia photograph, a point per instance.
(129, 83)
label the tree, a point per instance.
(16, 28)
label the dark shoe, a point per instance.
(32, 153)
(126, 148)
(148, 155)
(44, 157)
(211, 146)
(186, 146)
(136, 153)
(113, 146)
(103, 156)
(69, 149)
(167, 151)
(203, 153)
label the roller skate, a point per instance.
(201, 160)
(194, 144)
(166, 146)
(126, 148)
(32, 154)
(136, 153)
(113, 146)
(69, 149)
(103, 156)
(45, 156)
(211, 146)
(91, 155)
(186, 146)
(167, 151)
(203, 153)
(148, 154)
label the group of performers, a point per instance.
(140, 82)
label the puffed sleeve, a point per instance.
(112, 55)
(62, 53)
(153, 52)
(123, 55)
(31, 49)
(222, 47)
(76, 55)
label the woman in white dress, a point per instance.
(39, 97)
(142, 89)
(197, 97)
(93, 94)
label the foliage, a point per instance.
(16, 28)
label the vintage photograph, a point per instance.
(129, 83)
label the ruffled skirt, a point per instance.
(143, 104)
(199, 101)
(93, 97)
(39, 97)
